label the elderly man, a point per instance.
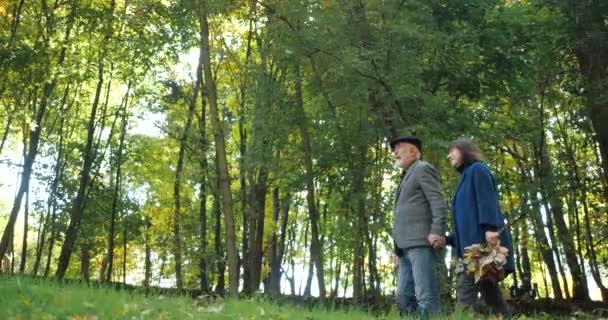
(418, 228)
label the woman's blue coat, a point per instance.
(475, 209)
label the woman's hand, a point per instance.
(493, 238)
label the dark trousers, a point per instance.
(467, 292)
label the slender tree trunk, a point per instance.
(203, 278)
(76, 211)
(243, 152)
(103, 269)
(148, 250)
(221, 161)
(579, 281)
(7, 129)
(161, 269)
(220, 287)
(85, 260)
(280, 217)
(52, 206)
(577, 187)
(544, 275)
(275, 268)
(42, 230)
(372, 234)
(316, 252)
(27, 170)
(361, 219)
(308, 285)
(256, 236)
(26, 214)
(334, 293)
(117, 186)
(547, 183)
(292, 263)
(541, 238)
(125, 241)
(49, 218)
(177, 253)
(555, 246)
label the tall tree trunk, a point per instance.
(148, 253)
(40, 241)
(529, 196)
(360, 171)
(256, 228)
(291, 247)
(338, 269)
(49, 218)
(125, 241)
(177, 253)
(117, 186)
(49, 255)
(550, 194)
(26, 214)
(311, 265)
(221, 161)
(593, 62)
(555, 246)
(579, 281)
(220, 286)
(273, 245)
(542, 271)
(76, 211)
(244, 199)
(372, 234)
(85, 259)
(545, 249)
(578, 187)
(161, 269)
(316, 252)
(278, 242)
(27, 169)
(203, 278)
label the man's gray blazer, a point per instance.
(420, 208)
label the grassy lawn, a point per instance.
(26, 298)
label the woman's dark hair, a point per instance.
(469, 150)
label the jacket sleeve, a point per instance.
(486, 198)
(429, 182)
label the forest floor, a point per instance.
(28, 298)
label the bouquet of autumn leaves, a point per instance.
(486, 261)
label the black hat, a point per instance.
(407, 139)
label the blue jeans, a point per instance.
(417, 289)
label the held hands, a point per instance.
(436, 241)
(492, 238)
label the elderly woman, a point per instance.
(477, 219)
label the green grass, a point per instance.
(26, 298)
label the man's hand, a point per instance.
(396, 261)
(492, 238)
(436, 241)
